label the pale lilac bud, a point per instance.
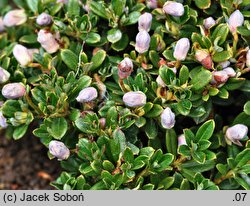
(219, 77)
(144, 22)
(125, 68)
(4, 75)
(230, 71)
(160, 82)
(47, 41)
(44, 19)
(62, 1)
(3, 122)
(181, 49)
(13, 90)
(204, 58)
(59, 150)
(173, 8)
(167, 118)
(134, 99)
(22, 55)
(87, 95)
(236, 133)
(1, 25)
(248, 59)
(236, 19)
(224, 64)
(182, 140)
(152, 4)
(142, 42)
(209, 22)
(15, 18)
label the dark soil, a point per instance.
(24, 164)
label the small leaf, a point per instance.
(247, 108)
(171, 141)
(70, 59)
(98, 59)
(33, 5)
(58, 127)
(201, 79)
(20, 131)
(73, 8)
(205, 131)
(221, 56)
(203, 4)
(93, 38)
(114, 35)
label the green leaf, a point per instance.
(58, 127)
(203, 4)
(221, 31)
(29, 39)
(73, 8)
(20, 131)
(99, 9)
(118, 6)
(121, 44)
(114, 35)
(166, 183)
(69, 58)
(184, 74)
(155, 111)
(243, 31)
(197, 167)
(184, 106)
(221, 56)
(199, 156)
(151, 129)
(93, 38)
(201, 79)
(205, 131)
(243, 157)
(33, 5)
(98, 59)
(171, 141)
(247, 108)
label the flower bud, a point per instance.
(144, 22)
(59, 150)
(230, 71)
(173, 8)
(209, 22)
(125, 68)
(47, 41)
(204, 58)
(1, 25)
(15, 18)
(44, 19)
(3, 121)
(142, 42)
(236, 133)
(236, 19)
(62, 1)
(13, 90)
(182, 140)
(181, 49)
(219, 77)
(102, 122)
(248, 59)
(87, 95)
(167, 118)
(134, 99)
(4, 75)
(160, 82)
(152, 4)
(224, 64)
(22, 55)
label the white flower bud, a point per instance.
(248, 59)
(59, 150)
(173, 8)
(87, 95)
(1, 25)
(152, 4)
(236, 19)
(13, 90)
(204, 58)
(44, 19)
(219, 77)
(167, 118)
(209, 22)
(236, 133)
(15, 18)
(182, 140)
(181, 49)
(4, 75)
(3, 122)
(62, 1)
(224, 64)
(47, 41)
(144, 22)
(160, 82)
(134, 99)
(142, 42)
(230, 71)
(22, 55)
(125, 68)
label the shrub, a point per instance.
(131, 94)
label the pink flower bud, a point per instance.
(44, 19)
(13, 90)
(182, 140)
(59, 150)
(219, 77)
(15, 18)
(160, 82)
(47, 41)
(152, 4)
(224, 64)
(3, 121)
(236, 133)
(167, 118)
(209, 22)
(144, 22)
(1, 25)
(142, 42)
(236, 19)
(125, 68)
(230, 71)
(134, 99)
(248, 59)
(62, 1)
(22, 55)
(181, 49)
(4, 75)
(87, 95)
(173, 8)
(102, 122)
(204, 58)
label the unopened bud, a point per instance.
(13, 90)
(182, 140)
(204, 58)
(219, 77)
(209, 22)
(230, 71)
(144, 22)
(125, 68)
(167, 118)
(224, 64)
(173, 8)
(134, 99)
(3, 121)
(236, 133)
(59, 150)
(248, 58)
(44, 19)
(4, 75)
(87, 95)
(102, 122)
(15, 18)
(47, 41)
(181, 49)
(142, 42)
(160, 82)
(152, 4)
(23, 55)
(62, 1)
(1, 25)
(236, 19)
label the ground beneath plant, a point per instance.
(24, 164)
